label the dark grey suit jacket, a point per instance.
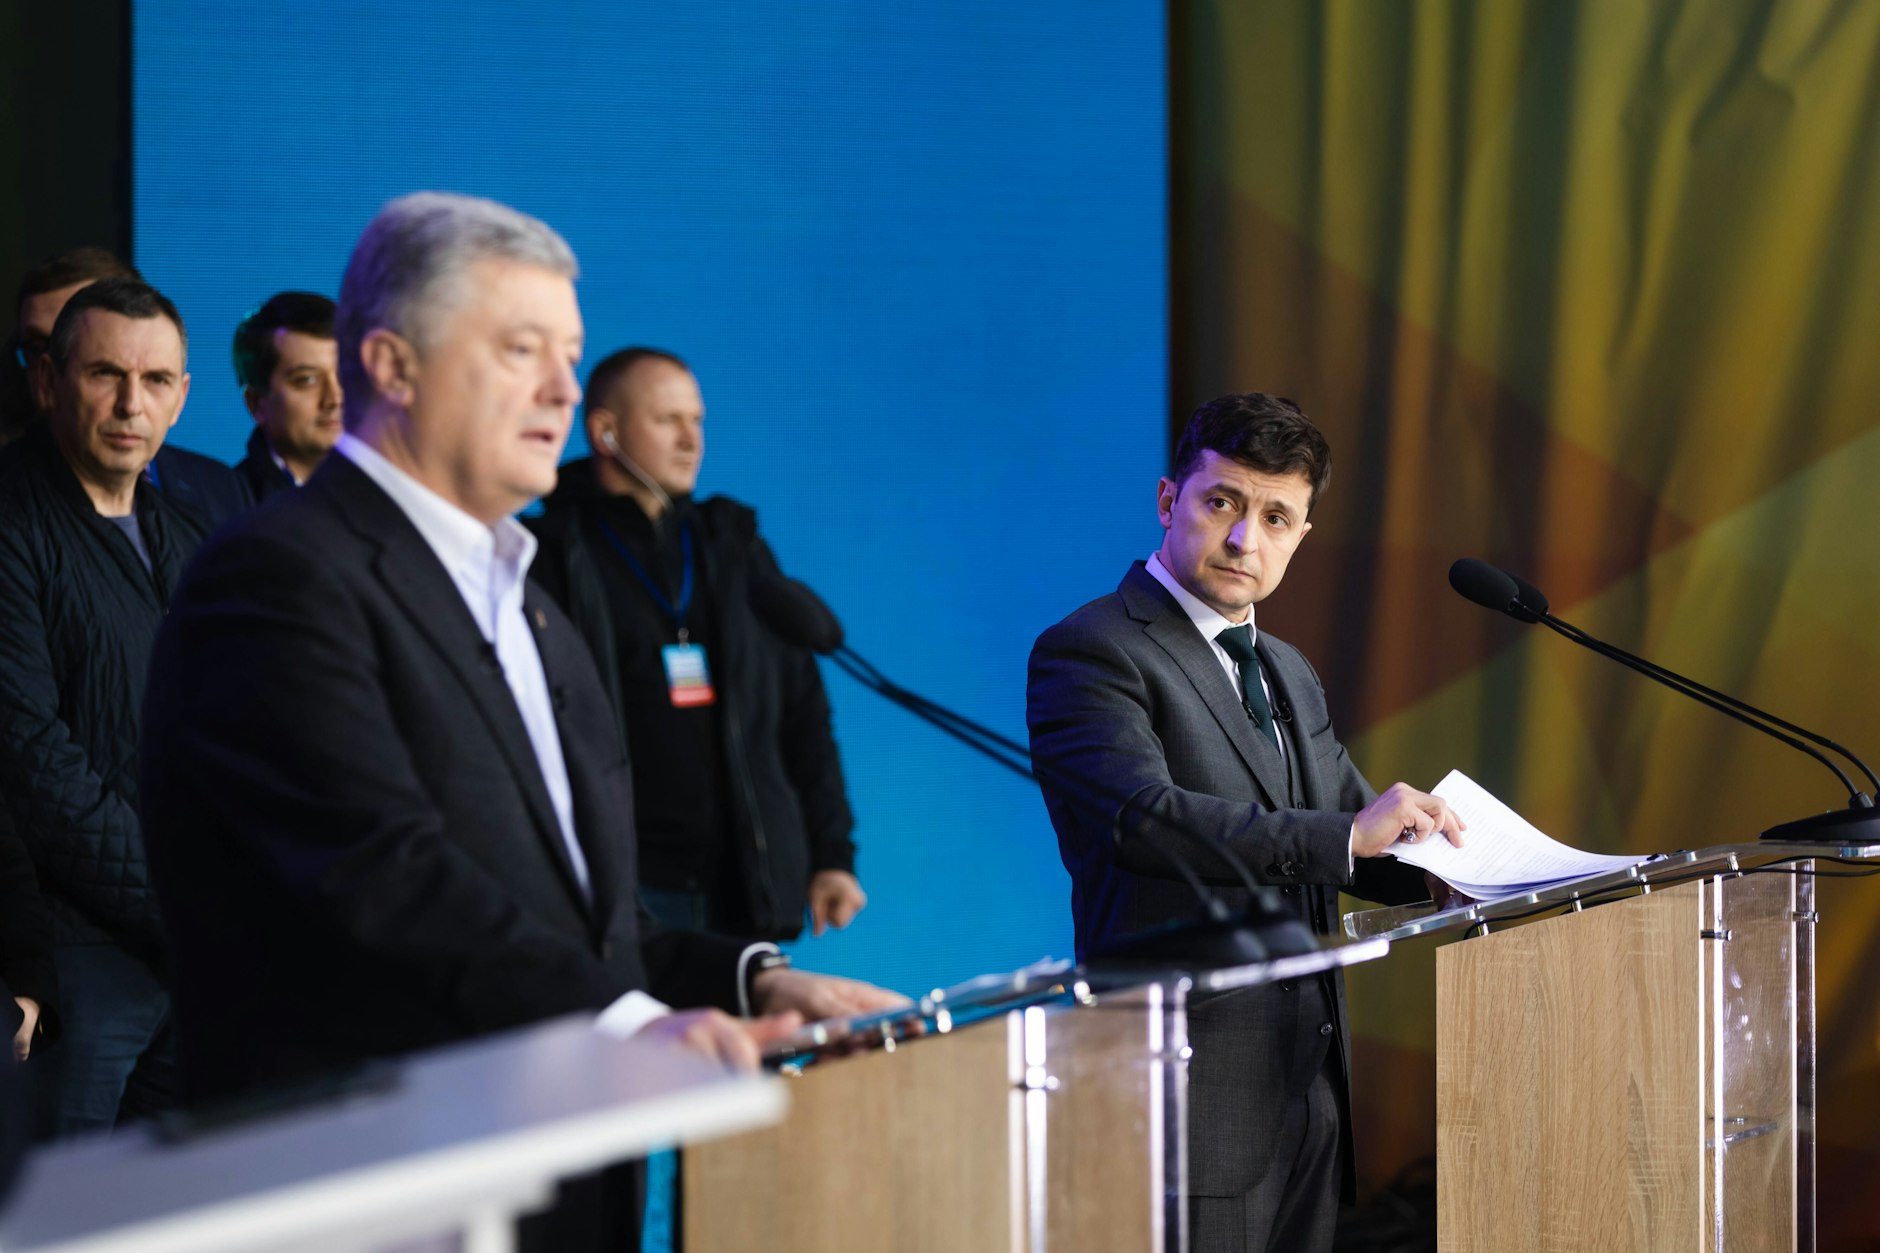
(1138, 735)
(353, 846)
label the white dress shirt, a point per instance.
(488, 564)
(1211, 624)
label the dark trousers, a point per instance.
(1293, 1207)
(116, 1061)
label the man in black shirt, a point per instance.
(89, 555)
(744, 823)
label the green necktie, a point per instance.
(1237, 642)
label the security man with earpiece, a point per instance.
(743, 818)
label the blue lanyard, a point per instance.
(675, 612)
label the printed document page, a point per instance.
(1502, 854)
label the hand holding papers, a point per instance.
(1505, 854)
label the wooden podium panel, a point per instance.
(1569, 1081)
(1635, 1077)
(1038, 1130)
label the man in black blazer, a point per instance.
(1157, 716)
(387, 802)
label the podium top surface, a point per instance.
(1049, 984)
(1403, 922)
(461, 1128)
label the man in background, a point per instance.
(743, 820)
(215, 492)
(89, 556)
(288, 366)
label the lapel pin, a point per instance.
(541, 620)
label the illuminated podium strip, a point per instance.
(458, 1143)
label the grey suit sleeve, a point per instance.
(1102, 736)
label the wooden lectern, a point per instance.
(1036, 1123)
(1637, 1072)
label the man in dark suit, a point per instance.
(387, 803)
(1158, 716)
(288, 367)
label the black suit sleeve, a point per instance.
(1105, 773)
(26, 967)
(286, 733)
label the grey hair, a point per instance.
(409, 265)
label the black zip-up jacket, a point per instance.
(787, 810)
(258, 471)
(78, 616)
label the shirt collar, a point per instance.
(460, 541)
(1207, 621)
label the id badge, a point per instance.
(688, 681)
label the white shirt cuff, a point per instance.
(744, 984)
(1351, 851)
(630, 1014)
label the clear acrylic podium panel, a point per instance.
(1049, 1125)
(1701, 1136)
(1034, 1115)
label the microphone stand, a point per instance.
(1266, 931)
(1859, 823)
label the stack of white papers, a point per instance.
(1502, 853)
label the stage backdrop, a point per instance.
(916, 256)
(1591, 291)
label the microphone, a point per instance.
(1266, 929)
(1506, 593)
(797, 615)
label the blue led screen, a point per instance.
(916, 255)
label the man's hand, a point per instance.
(835, 897)
(819, 996)
(23, 1038)
(1403, 811)
(736, 1043)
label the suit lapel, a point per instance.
(584, 772)
(1166, 624)
(415, 578)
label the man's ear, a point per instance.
(599, 420)
(182, 398)
(44, 381)
(392, 364)
(253, 399)
(1167, 491)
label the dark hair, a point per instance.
(1267, 433)
(307, 312)
(127, 297)
(80, 265)
(614, 366)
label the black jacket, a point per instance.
(213, 491)
(258, 471)
(788, 810)
(78, 615)
(355, 848)
(26, 967)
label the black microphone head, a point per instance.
(797, 615)
(1486, 586)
